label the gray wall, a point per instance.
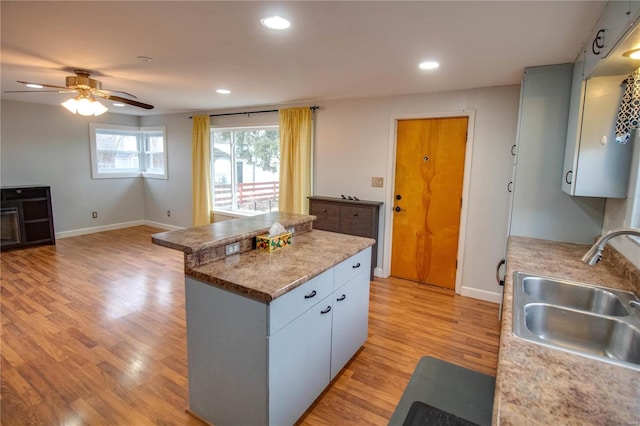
(47, 145)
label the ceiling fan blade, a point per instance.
(44, 85)
(107, 92)
(128, 101)
(40, 91)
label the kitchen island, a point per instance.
(540, 385)
(267, 332)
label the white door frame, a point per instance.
(391, 173)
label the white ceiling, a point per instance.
(333, 50)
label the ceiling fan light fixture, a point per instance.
(85, 106)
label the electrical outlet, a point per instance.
(377, 182)
(232, 248)
(168, 213)
(94, 215)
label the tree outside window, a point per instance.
(245, 171)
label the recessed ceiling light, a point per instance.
(118, 104)
(429, 65)
(34, 85)
(275, 23)
(144, 59)
(223, 91)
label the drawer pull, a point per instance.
(355, 214)
(356, 266)
(341, 298)
(324, 210)
(326, 311)
(310, 295)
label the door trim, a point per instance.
(466, 184)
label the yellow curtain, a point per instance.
(201, 166)
(295, 160)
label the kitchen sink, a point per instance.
(586, 298)
(592, 321)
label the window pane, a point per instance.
(155, 143)
(246, 169)
(116, 142)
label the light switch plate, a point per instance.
(377, 182)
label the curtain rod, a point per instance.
(248, 113)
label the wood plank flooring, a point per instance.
(93, 332)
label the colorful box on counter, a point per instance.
(266, 243)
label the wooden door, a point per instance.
(427, 199)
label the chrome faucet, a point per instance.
(595, 252)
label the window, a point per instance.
(245, 169)
(125, 151)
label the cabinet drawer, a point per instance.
(356, 221)
(286, 308)
(351, 267)
(328, 216)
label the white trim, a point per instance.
(112, 227)
(163, 225)
(93, 230)
(466, 185)
(485, 295)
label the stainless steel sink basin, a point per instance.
(587, 320)
(586, 298)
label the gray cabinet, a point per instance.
(540, 208)
(351, 217)
(595, 165)
(264, 364)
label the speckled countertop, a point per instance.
(545, 386)
(265, 276)
(256, 274)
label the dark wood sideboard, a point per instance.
(27, 217)
(351, 217)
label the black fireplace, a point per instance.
(9, 226)
(26, 216)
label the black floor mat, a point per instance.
(421, 414)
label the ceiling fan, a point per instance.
(87, 88)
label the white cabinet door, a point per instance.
(350, 320)
(299, 363)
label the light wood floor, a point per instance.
(93, 332)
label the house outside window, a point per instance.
(126, 151)
(245, 169)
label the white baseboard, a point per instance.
(488, 296)
(162, 225)
(94, 229)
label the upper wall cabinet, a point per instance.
(595, 165)
(616, 19)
